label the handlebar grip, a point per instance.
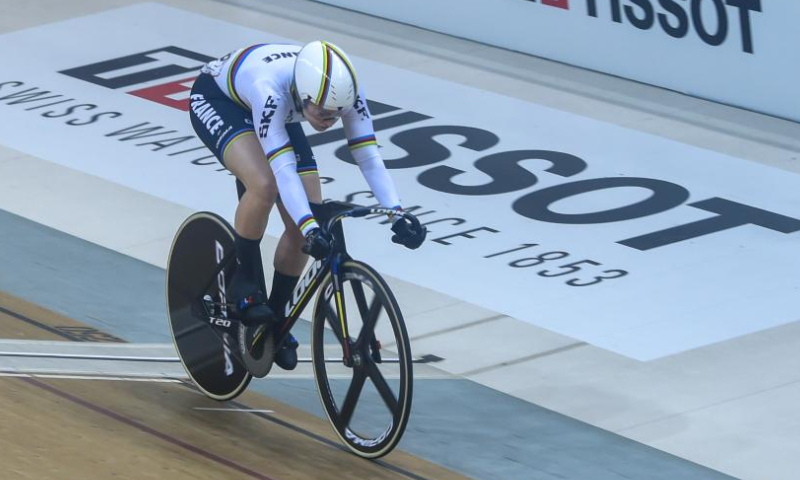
(364, 211)
(360, 212)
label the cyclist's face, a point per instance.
(319, 118)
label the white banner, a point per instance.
(631, 242)
(739, 52)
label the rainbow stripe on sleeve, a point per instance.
(307, 170)
(234, 69)
(361, 142)
(306, 222)
(272, 155)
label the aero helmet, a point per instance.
(324, 75)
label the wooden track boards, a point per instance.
(60, 428)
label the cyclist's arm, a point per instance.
(269, 115)
(361, 140)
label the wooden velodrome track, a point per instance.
(68, 428)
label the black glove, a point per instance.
(406, 235)
(318, 245)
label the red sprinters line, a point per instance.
(163, 436)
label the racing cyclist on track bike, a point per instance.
(246, 108)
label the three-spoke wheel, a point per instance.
(364, 378)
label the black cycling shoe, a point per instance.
(286, 356)
(253, 308)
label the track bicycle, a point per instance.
(357, 329)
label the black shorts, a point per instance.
(220, 121)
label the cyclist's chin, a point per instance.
(318, 126)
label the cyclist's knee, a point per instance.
(263, 188)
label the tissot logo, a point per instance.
(504, 170)
(713, 21)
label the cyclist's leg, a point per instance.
(289, 262)
(234, 143)
(246, 160)
(289, 259)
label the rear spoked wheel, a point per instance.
(364, 380)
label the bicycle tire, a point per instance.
(201, 242)
(341, 413)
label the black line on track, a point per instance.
(144, 428)
(283, 423)
(399, 470)
(327, 442)
(307, 433)
(44, 327)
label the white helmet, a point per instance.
(324, 75)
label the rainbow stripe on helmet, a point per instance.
(328, 52)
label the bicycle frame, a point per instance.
(312, 278)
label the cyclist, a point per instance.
(247, 107)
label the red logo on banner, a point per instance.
(557, 3)
(171, 94)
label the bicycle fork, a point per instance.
(351, 357)
(338, 295)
